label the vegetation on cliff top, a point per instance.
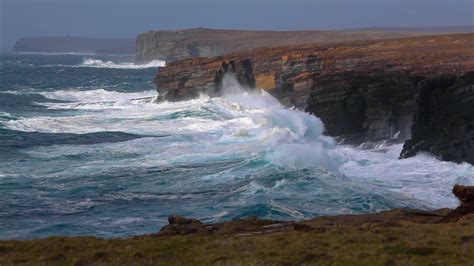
(396, 237)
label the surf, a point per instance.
(107, 151)
(97, 63)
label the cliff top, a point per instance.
(173, 45)
(452, 51)
(417, 30)
(405, 236)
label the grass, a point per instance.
(403, 243)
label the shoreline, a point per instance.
(394, 237)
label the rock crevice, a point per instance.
(363, 91)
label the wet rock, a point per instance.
(464, 193)
(366, 91)
(178, 225)
(466, 196)
(180, 220)
(443, 122)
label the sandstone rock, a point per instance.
(466, 195)
(178, 225)
(363, 91)
(172, 45)
(180, 220)
(444, 119)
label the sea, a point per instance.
(86, 149)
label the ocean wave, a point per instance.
(97, 63)
(285, 136)
(423, 177)
(56, 53)
(247, 142)
(94, 96)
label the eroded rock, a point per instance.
(178, 225)
(365, 91)
(466, 196)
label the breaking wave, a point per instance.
(98, 156)
(288, 137)
(97, 63)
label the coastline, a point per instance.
(395, 237)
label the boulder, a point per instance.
(465, 194)
(179, 225)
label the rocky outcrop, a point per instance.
(172, 45)
(179, 225)
(67, 44)
(465, 194)
(443, 122)
(363, 91)
(412, 236)
(395, 237)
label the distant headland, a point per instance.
(173, 45)
(69, 44)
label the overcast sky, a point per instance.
(127, 18)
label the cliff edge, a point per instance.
(364, 91)
(173, 45)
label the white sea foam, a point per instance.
(240, 124)
(93, 96)
(90, 62)
(422, 177)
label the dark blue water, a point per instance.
(86, 150)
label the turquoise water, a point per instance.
(86, 150)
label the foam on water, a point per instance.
(210, 158)
(422, 177)
(90, 62)
(290, 138)
(93, 96)
(250, 120)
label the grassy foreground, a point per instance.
(397, 237)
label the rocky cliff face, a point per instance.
(172, 45)
(444, 118)
(363, 91)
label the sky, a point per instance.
(128, 18)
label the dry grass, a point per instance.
(371, 243)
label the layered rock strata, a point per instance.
(465, 194)
(444, 118)
(172, 45)
(363, 91)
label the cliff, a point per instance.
(444, 119)
(172, 45)
(66, 44)
(362, 90)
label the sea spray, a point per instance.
(97, 63)
(293, 138)
(82, 148)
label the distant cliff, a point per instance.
(362, 90)
(172, 45)
(66, 44)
